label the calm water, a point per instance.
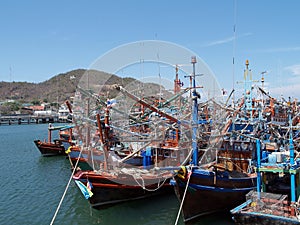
(32, 186)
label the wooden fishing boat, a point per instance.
(110, 178)
(116, 179)
(220, 174)
(214, 187)
(126, 185)
(57, 146)
(50, 148)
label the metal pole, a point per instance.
(292, 162)
(258, 182)
(195, 114)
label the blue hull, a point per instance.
(207, 193)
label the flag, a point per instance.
(89, 185)
(111, 102)
(87, 193)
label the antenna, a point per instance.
(234, 49)
(159, 75)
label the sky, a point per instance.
(40, 39)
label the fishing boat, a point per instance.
(272, 208)
(217, 186)
(151, 134)
(114, 179)
(112, 182)
(121, 186)
(56, 146)
(220, 174)
(117, 177)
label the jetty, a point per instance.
(28, 119)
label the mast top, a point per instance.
(247, 63)
(193, 60)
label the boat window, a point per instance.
(173, 154)
(166, 154)
(160, 152)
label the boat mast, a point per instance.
(258, 182)
(104, 147)
(248, 91)
(177, 86)
(194, 113)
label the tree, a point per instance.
(36, 102)
(9, 108)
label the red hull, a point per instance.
(109, 189)
(50, 149)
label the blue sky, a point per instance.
(40, 39)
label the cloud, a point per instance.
(288, 86)
(220, 42)
(294, 69)
(286, 91)
(226, 40)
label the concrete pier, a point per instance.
(27, 119)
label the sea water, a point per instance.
(32, 187)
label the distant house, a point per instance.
(37, 107)
(64, 114)
(30, 109)
(44, 113)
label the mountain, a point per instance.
(63, 86)
(57, 89)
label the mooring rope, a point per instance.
(66, 189)
(183, 197)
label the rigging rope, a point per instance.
(66, 189)
(184, 194)
(159, 185)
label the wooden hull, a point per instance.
(50, 149)
(207, 194)
(109, 189)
